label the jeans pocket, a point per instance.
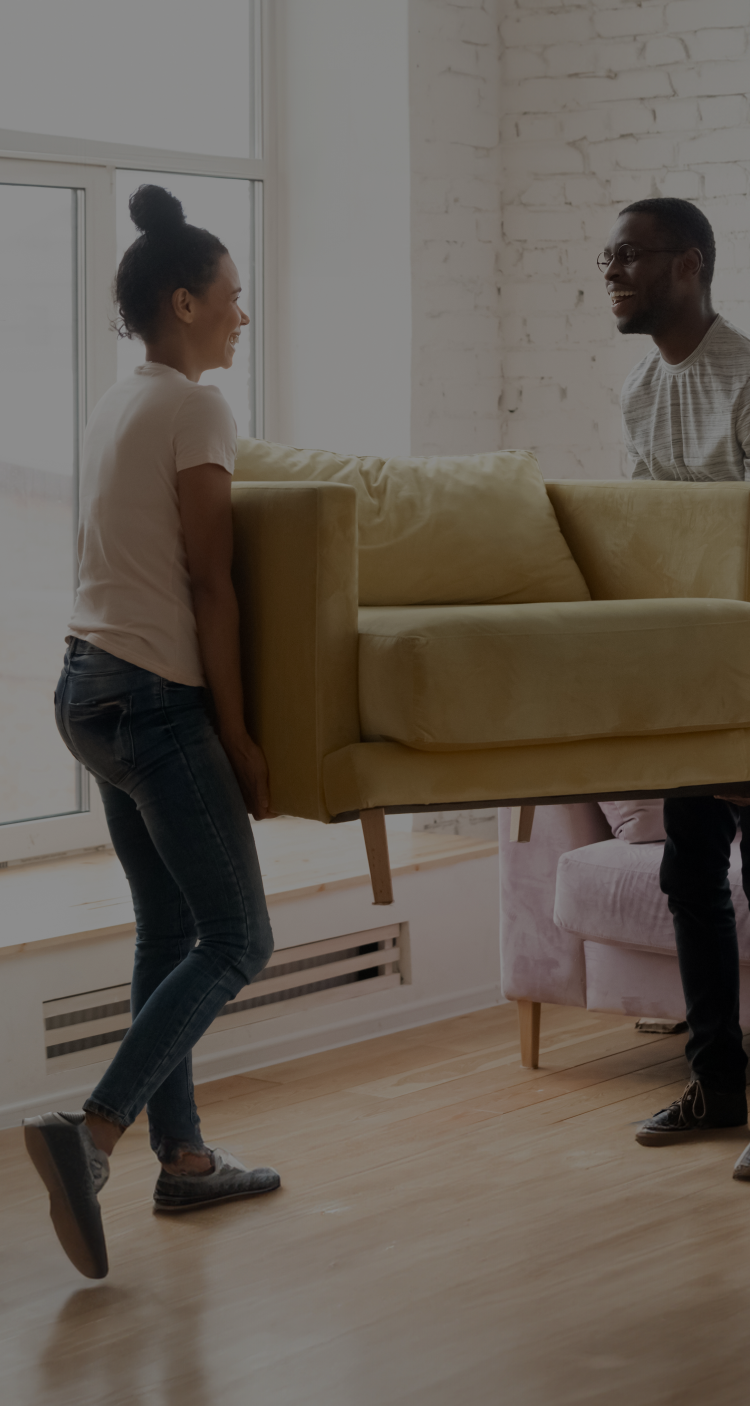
(102, 736)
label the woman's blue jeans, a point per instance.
(181, 831)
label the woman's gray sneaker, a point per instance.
(229, 1181)
(74, 1171)
(698, 1110)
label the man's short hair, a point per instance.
(684, 225)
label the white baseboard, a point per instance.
(275, 1049)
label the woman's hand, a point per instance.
(733, 800)
(249, 766)
(204, 496)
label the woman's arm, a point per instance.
(204, 495)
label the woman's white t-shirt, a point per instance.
(134, 599)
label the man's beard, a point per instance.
(657, 316)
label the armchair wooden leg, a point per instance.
(529, 1013)
(521, 822)
(376, 844)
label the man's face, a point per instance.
(646, 294)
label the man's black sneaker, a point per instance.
(698, 1110)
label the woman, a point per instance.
(150, 700)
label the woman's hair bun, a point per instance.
(168, 254)
(154, 211)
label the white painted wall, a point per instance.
(344, 280)
(450, 975)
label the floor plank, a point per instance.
(452, 1228)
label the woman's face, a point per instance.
(218, 318)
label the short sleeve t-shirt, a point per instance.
(134, 599)
(691, 420)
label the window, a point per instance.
(169, 74)
(158, 90)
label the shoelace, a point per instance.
(691, 1102)
(98, 1161)
(99, 1167)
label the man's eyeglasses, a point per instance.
(627, 254)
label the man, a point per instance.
(686, 414)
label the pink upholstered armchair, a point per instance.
(584, 923)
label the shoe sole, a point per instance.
(90, 1259)
(170, 1208)
(655, 1139)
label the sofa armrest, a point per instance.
(539, 962)
(295, 574)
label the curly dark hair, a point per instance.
(682, 223)
(168, 254)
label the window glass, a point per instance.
(174, 74)
(225, 208)
(38, 454)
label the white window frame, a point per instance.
(90, 167)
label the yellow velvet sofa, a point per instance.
(455, 633)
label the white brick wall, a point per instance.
(455, 129)
(597, 103)
(603, 103)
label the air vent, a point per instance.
(87, 1028)
(77, 1029)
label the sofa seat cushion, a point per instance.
(476, 528)
(462, 677)
(609, 892)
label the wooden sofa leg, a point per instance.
(376, 844)
(529, 1013)
(521, 822)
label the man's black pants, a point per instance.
(693, 875)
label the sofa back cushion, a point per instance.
(636, 539)
(473, 530)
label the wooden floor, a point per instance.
(452, 1231)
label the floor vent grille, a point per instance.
(81, 1029)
